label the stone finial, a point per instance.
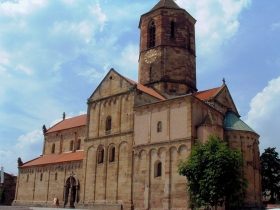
(44, 129)
(63, 116)
(224, 81)
(20, 163)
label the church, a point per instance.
(123, 154)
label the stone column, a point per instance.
(166, 201)
(147, 182)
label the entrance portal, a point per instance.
(71, 191)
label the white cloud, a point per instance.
(27, 147)
(102, 18)
(82, 112)
(24, 69)
(2, 69)
(275, 26)
(54, 122)
(91, 75)
(129, 60)
(12, 8)
(218, 21)
(264, 114)
(28, 140)
(4, 58)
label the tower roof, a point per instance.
(166, 4)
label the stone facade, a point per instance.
(123, 154)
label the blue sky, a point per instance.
(53, 54)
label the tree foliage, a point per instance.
(215, 175)
(270, 172)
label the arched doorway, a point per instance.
(71, 190)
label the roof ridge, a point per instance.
(65, 120)
(207, 90)
(75, 121)
(145, 88)
(55, 158)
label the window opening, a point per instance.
(27, 177)
(108, 123)
(101, 155)
(71, 145)
(112, 154)
(79, 144)
(159, 167)
(172, 29)
(41, 177)
(53, 148)
(55, 176)
(159, 127)
(152, 31)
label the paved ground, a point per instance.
(28, 208)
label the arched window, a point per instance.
(152, 34)
(158, 168)
(108, 123)
(100, 155)
(41, 177)
(159, 127)
(55, 176)
(112, 154)
(71, 146)
(172, 29)
(79, 144)
(53, 148)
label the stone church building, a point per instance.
(123, 154)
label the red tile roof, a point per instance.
(56, 158)
(69, 123)
(147, 90)
(206, 94)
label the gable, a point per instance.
(224, 99)
(112, 84)
(219, 98)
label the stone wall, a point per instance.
(247, 142)
(38, 186)
(65, 140)
(166, 190)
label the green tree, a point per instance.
(215, 175)
(270, 172)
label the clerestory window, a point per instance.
(71, 148)
(79, 144)
(159, 127)
(53, 148)
(101, 155)
(108, 123)
(112, 154)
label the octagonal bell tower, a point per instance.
(167, 49)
